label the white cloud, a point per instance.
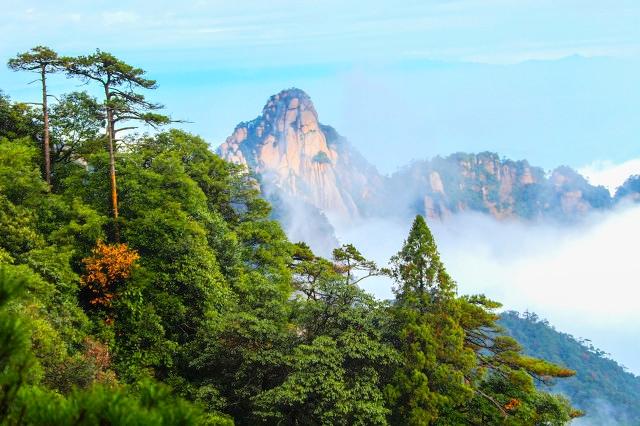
(583, 279)
(609, 174)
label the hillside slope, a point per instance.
(609, 394)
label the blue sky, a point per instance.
(553, 81)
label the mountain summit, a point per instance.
(303, 162)
(299, 157)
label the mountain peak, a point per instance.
(289, 110)
(297, 155)
(291, 98)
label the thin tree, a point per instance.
(44, 61)
(122, 103)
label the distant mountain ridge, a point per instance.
(500, 187)
(608, 393)
(300, 158)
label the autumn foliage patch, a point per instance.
(106, 269)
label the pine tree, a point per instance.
(118, 80)
(458, 367)
(44, 61)
(435, 362)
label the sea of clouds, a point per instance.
(584, 279)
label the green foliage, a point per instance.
(20, 181)
(23, 401)
(336, 373)
(15, 358)
(18, 120)
(222, 310)
(321, 158)
(320, 388)
(599, 383)
(153, 405)
(77, 120)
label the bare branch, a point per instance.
(496, 403)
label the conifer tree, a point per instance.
(44, 61)
(122, 103)
(458, 367)
(431, 379)
(418, 270)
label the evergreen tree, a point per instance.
(44, 61)
(435, 362)
(457, 365)
(118, 80)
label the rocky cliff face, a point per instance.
(502, 188)
(296, 155)
(300, 159)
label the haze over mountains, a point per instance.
(296, 156)
(504, 226)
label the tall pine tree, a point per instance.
(435, 362)
(457, 366)
(122, 103)
(43, 61)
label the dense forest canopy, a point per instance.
(168, 295)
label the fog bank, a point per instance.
(583, 279)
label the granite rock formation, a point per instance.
(293, 153)
(298, 158)
(502, 188)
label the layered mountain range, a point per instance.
(299, 160)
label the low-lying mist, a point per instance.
(584, 279)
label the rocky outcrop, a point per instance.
(293, 153)
(298, 158)
(502, 188)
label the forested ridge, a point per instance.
(609, 393)
(143, 281)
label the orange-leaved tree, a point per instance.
(106, 270)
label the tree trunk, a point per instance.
(112, 170)
(45, 113)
